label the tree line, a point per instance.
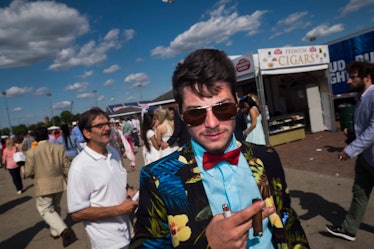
(65, 117)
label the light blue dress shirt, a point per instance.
(234, 185)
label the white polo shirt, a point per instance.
(98, 181)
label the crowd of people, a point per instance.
(214, 164)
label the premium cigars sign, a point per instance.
(275, 58)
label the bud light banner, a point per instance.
(356, 48)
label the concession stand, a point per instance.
(293, 88)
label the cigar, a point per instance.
(257, 221)
(136, 196)
(226, 210)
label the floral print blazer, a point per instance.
(174, 211)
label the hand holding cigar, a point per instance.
(232, 232)
(256, 219)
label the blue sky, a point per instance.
(105, 52)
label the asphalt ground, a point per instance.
(320, 187)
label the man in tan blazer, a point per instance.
(49, 166)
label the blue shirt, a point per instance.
(77, 132)
(234, 185)
(364, 128)
(72, 148)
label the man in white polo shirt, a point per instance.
(97, 186)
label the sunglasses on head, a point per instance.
(197, 116)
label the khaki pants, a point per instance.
(50, 210)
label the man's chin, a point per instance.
(216, 148)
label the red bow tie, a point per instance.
(210, 160)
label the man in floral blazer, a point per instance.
(181, 195)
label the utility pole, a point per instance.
(95, 95)
(71, 106)
(50, 105)
(7, 110)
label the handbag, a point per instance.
(18, 156)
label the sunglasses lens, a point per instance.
(194, 117)
(224, 111)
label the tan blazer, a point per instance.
(49, 166)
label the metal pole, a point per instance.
(263, 109)
(95, 93)
(50, 105)
(71, 106)
(7, 110)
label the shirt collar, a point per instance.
(370, 88)
(94, 154)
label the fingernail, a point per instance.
(262, 204)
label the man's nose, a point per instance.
(211, 120)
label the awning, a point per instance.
(294, 70)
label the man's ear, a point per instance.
(369, 79)
(86, 133)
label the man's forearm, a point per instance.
(95, 213)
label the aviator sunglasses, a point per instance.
(197, 116)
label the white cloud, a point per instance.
(290, 23)
(101, 97)
(355, 5)
(128, 34)
(140, 84)
(62, 105)
(87, 74)
(78, 86)
(89, 54)
(17, 109)
(138, 79)
(16, 91)
(41, 91)
(85, 95)
(112, 34)
(109, 82)
(322, 31)
(31, 32)
(138, 60)
(111, 69)
(221, 25)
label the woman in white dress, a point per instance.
(151, 148)
(165, 130)
(255, 132)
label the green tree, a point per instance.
(20, 129)
(5, 131)
(67, 117)
(56, 120)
